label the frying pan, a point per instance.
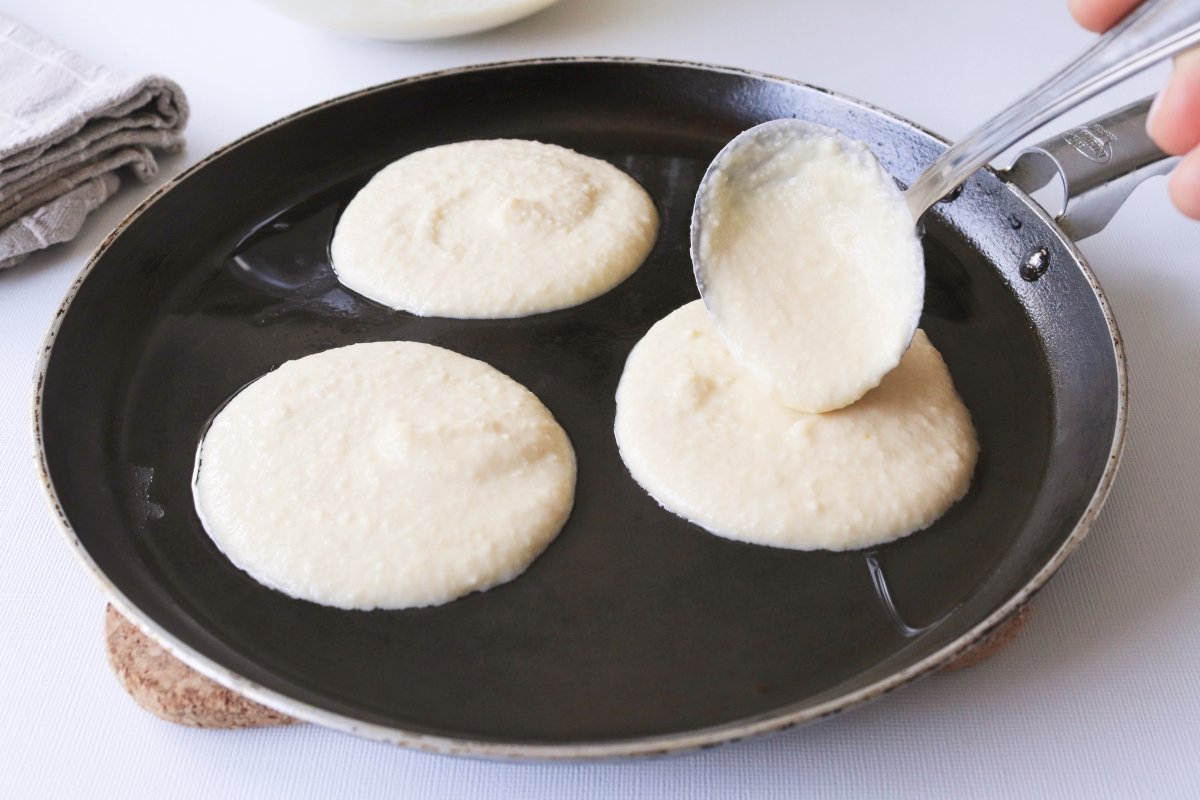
(635, 633)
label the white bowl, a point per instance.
(407, 19)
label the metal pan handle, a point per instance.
(1098, 165)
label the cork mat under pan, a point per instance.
(171, 690)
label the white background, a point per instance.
(1099, 698)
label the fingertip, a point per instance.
(1082, 11)
(1174, 119)
(1099, 15)
(1184, 186)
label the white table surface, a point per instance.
(1100, 697)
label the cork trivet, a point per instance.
(168, 688)
(994, 642)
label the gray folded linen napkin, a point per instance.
(67, 128)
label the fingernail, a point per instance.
(1150, 115)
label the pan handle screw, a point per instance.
(1035, 264)
(952, 195)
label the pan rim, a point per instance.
(661, 744)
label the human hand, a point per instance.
(1174, 122)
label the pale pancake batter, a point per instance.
(493, 229)
(811, 265)
(384, 475)
(709, 444)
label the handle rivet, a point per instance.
(952, 195)
(1035, 264)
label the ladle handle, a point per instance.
(1151, 32)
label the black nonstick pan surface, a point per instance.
(635, 632)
